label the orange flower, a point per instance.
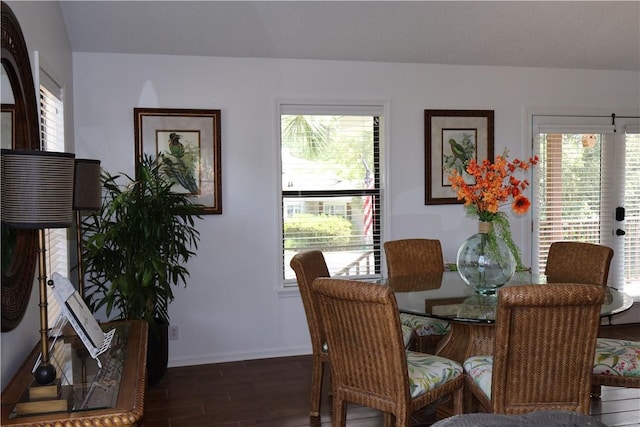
(520, 204)
(494, 184)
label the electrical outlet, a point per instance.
(173, 333)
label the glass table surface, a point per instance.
(446, 296)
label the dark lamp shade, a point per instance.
(37, 189)
(87, 194)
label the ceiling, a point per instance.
(558, 34)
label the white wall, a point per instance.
(43, 29)
(230, 309)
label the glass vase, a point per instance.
(484, 261)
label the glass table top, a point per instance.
(446, 296)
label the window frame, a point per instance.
(374, 109)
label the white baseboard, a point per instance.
(235, 357)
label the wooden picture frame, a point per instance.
(190, 142)
(451, 137)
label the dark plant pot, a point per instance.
(157, 352)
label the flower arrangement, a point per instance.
(494, 186)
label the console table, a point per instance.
(109, 396)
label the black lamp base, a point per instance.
(45, 374)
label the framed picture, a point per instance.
(189, 142)
(451, 138)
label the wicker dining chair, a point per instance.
(545, 340)
(408, 257)
(369, 364)
(308, 266)
(616, 361)
(578, 262)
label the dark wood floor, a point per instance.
(275, 393)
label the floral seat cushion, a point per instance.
(424, 325)
(479, 369)
(617, 357)
(427, 372)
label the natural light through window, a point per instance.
(330, 192)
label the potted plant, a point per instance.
(135, 249)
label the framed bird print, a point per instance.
(451, 139)
(187, 143)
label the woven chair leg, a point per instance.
(468, 401)
(402, 420)
(339, 414)
(317, 372)
(389, 420)
(596, 391)
(458, 401)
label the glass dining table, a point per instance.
(447, 297)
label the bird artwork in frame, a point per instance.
(452, 138)
(187, 144)
(180, 160)
(461, 149)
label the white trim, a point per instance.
(234, 357)
(374, 108)
(321, 107)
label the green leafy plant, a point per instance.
(136, 246)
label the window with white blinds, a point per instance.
(586, 171)
(330, 161)
(52, 139)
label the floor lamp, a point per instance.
(37, 193)
(87, 195)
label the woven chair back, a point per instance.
(308, 266)
(544, 347)
(407, 257)
(368, 362)
(578, 262)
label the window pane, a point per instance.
(569, 190)
(330, 197)
(326, 152)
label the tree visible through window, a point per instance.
(330, 190)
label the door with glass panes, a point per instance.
(587, 188)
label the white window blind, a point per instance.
(52, 139)
(632, 211)
(330, 160)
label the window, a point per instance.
(589, 168)
(330, 164)
(52, 139)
